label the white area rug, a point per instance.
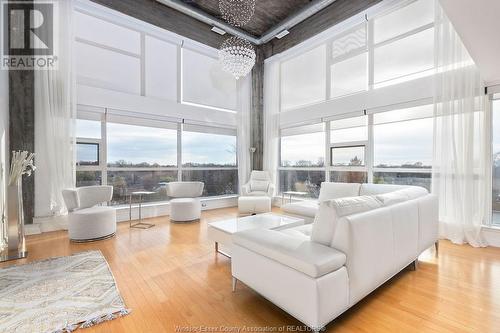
(59, 294)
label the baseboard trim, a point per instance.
(149, 210)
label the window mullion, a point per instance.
(370, 149)
(104, 149)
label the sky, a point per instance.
(137, 144)
(394, 144)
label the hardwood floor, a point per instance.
(170, 277)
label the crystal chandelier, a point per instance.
(237, 56)
(237, 12)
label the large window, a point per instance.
(496, 163)
(209, 155)
(392, 147)
(139, 154)
(302, 159)
(403, 141)
(141, 147)
(390, 48)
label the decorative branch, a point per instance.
(22, 163)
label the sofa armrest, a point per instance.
(308, 257)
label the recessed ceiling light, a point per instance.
(219, 31)
(282, 34)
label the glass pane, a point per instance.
(217, 182)
(301, 181)
(89, 129)
(88, 178)
(418, 112)
(105, 33)
(303, 79)
(125, 182)
(400, 21)
(406, 144)
(354, 40)
(107, 69)
(349, 76)
(305, 150)
(403, 178)
(348, 156)
(496, 163)
(205, 82)
(87, 153)
(208, 150)
(349, 122)
(138, 146)
(349, 130)
(406, 56)
(348, 177)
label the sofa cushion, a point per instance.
(308, 257)
(330, 190)
(259, 185)
(374, 189)
(354, 205)
(301, 231)
(391, 198)
(409, 193)
(330, 211)
(307, 208)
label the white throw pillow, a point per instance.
(325, 221)
(392, 198)
(355, 205)
(259, 185)
(330, 190)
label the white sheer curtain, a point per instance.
(243, 151)
(271, 118)
(55, 110)
(461, 168)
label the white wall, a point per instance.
(4, 132)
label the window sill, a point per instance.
(162, 203)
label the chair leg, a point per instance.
(436, 246)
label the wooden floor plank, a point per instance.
(170, 277)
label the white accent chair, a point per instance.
(87, 221)
(256, 195)
(317, 271)
(186, 206)
(259, 185)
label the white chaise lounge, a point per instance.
(316, 272)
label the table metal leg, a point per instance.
(140, 224)
(219, 251)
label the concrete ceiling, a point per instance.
(268, 13)
(478, 24)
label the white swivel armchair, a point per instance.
(256, 195)
(259, 185)
(87, 221)
(186, 206)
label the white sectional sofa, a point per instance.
(307, 209)
(357, 242)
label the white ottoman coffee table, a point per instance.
(221, 232)
(254, 205)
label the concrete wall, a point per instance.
(4, 133)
